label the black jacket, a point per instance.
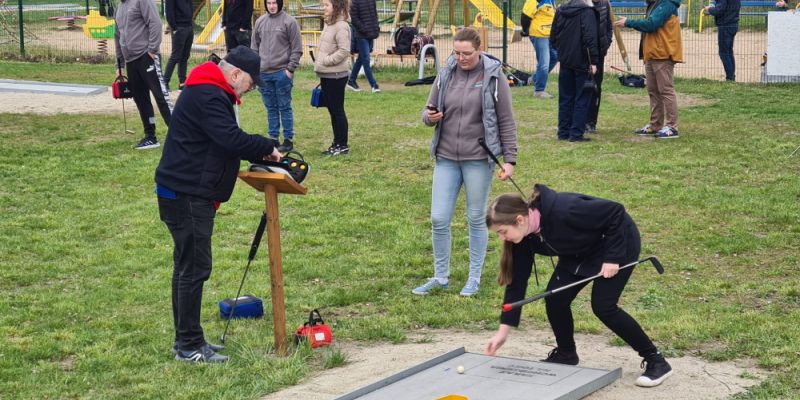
(238, 14)
(204, 144)
(574, 36)
(583, 231)
(179, 13)
(605, 28)
(364, 17)
(726, 13)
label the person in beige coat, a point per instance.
(332, 66)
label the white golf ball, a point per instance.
(460, 369)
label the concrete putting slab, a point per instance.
(486, 377)
(67, 89)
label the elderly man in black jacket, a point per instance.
(575, 37)
(364, 20)
(197, 172)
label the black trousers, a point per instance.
(605, 296)
(333, 98)
(190, 220)
(144, 76)
(236, 37)
(594, 105)
(182, 38)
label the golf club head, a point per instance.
(657, 264)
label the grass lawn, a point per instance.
(85, 263)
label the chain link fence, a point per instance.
(64, 31)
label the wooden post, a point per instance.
(484, 31)
(275, 268)
(272, 184)
(467, 19)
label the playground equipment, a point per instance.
(212, 36)
(100, 28)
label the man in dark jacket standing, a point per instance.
(179, 16)
(364, 20)
(604, 35)
(574, 36)
(726, 16)
(137, 37)
(197, 172)
(237, 22)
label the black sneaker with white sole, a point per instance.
(657, 370)
(148, 142)
(201, 355)
(212, 346)
(558, 356)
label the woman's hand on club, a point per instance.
(608, 270)
(497, 341)
(506, 172)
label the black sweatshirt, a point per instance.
(583, 231)
(575, 36)
(237, 14)
(179, 13)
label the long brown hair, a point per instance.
(341, 9)
(469, 34)
(504, 211)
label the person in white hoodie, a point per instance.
(277, 40)
(137, 37)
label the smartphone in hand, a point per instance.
(432, 109)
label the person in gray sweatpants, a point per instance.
(138, 40)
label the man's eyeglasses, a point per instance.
(464, 54)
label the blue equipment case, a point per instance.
(247, 306)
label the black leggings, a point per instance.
(605, 295)
(144, 76)
(333, 98)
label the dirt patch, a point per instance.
(693, 378)
(52, 104)
(640, 99)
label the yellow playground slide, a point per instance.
(492, 13)
(212, 33)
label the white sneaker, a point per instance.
(376, 89)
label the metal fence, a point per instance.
(60, 30)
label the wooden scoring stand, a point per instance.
(272, 184)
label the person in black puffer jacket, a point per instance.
(365, 29)
(575, 38)
(604, 36)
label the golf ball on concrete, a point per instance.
(460, 369)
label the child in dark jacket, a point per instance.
(590, 236)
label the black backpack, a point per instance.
(403, 38)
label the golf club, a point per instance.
(253, 250)
(496, 161)
(510, 306)
(125, 118)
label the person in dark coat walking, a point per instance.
(574, 36)
(237, 22)
(604, 36)
(197, 172)
(590, 236)
(726, 16)
(179, 16)
(364, 22)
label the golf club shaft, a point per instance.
(510, 306)
(253, 249)
(496, 161)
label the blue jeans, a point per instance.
(364, 47)
(546, 60)
(277, 97)
(448, 177)
(573, 103)
(725, 35)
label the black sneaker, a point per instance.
(148, 142)
(341, 150)
(286, 146)
(214, 347)
(330, 151)
(580, 139)
(201, 355)
(591, 128)
(352, 85)
(657, 370)
(557, 356)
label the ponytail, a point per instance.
(504, 211)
